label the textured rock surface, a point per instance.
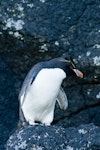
(31, 31)
(43, 138)
(8, 102)
(45, 29)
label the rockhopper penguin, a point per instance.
(42, 88)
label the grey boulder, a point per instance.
(39, 137)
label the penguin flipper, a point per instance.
(28, 81)
(62, 99)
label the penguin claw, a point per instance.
(32, 123)
(47, 124)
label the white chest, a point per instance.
(41, 96)
(47, 82)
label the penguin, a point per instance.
(42, 88)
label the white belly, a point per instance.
(40, 100)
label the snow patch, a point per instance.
(18, 25)
(79, 57)
(43, 48)
(88, 53)
(96, 60)
(98, 95)
(31, 5)
(36, 147)
(19, 7)
(17, 35)
(46, 135)
(69, 148)
(21, 145)
(96, 46)
(95, 77)
(24, 1)
(56, 43)
(82, 131)
(10, 32)
(43, 1)
(88, 92)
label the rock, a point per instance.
(52, 137)
(86, 116)
(40, 30)
(8, 102)
(83, 106)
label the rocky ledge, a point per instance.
(39, 137)
(32, 31)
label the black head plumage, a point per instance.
(65, 63)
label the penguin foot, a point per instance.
(32, 123)
(47, 124)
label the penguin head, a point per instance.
(68, 65)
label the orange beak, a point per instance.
(78, 73)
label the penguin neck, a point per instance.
(54, 73)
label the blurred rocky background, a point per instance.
(36, 30)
